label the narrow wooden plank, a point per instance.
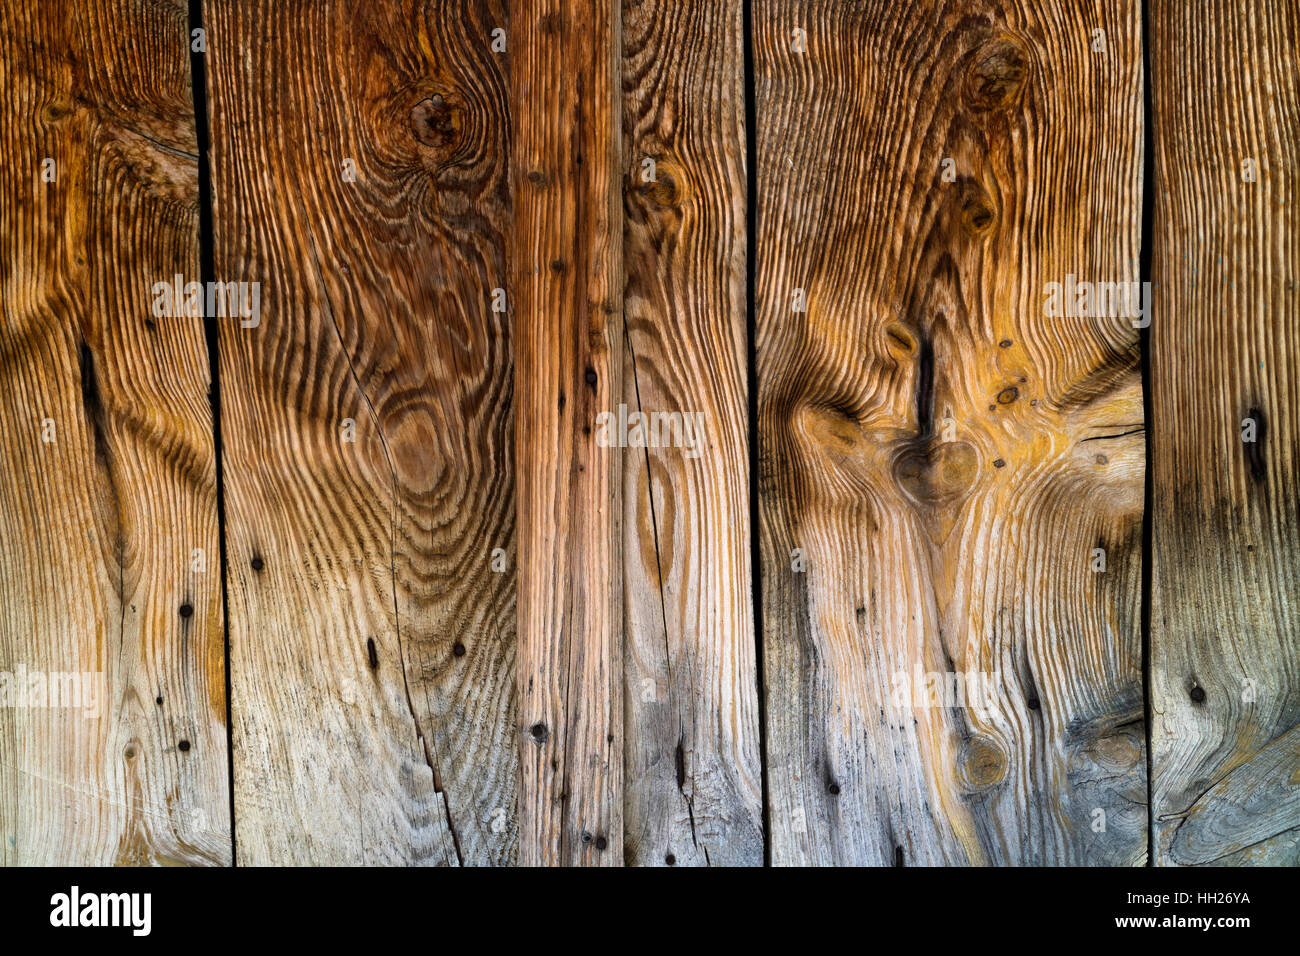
(567, 291)
(942, 456)
(1225, 336)
(109, 553)
(693, 775)
(366, 425)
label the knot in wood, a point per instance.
(939, 474)
(436, 122)
(997, 74)
(982, 764)
(978, 213)
(668, 186)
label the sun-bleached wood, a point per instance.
(109, 553)
(1225, 335)
(693, 774)
(943, 457)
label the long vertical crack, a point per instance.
(755, 485)
(1148, 405)
(207, 274)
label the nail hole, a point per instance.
(458, 649)
(256, 564)
(187, 610)
(184, 745)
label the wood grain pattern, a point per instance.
(108, 524)
(372, 644)
(1225, 636)
(567, 291)
(470, 619)
(693, 776)
(944, 456)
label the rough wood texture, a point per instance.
(945, 457)
(371, 642)
(567, 289)
(108, 518)
(1225, 636)
(693, 776)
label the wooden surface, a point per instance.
(371, 643)
(694, 793)
(1225, 334)
(945, 457)
(107, 476)
(566, 267)
(459, 625)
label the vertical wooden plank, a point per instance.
(366, 424)
(939, 458)
(1225, 335)
(693, 775)
(567, 289)
(109, 554)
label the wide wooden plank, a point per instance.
(109, 551)
(566, 287)
(1225, 336)
(693, 784)
(359, 154)
(939, 458)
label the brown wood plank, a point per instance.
(693, 775)
(372, 644)
(109, 547)
(567, 300)
(1225, 335)
(944, 457)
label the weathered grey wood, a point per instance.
(693, 774)
(1225, 335)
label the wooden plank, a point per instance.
(366, 424)
(693, 775)
(943, 456)
(108, 521)
(566, 286)
(1225, 635)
